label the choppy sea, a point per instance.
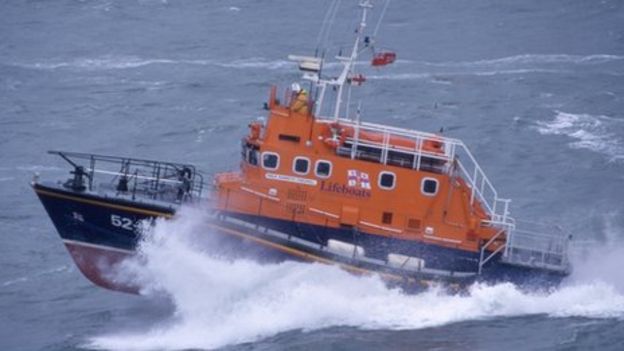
(535, 88)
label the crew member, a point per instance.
(184, 188)
(300, 100)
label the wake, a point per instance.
(218, 301)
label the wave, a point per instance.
(434, 75)
(130, 62)
(595, 133)
(258, 63)
(605, 252)
(219, 301)
(37, 168)
(111, 62)
(534, 59)
(19, 280)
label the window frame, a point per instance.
(422, 186)
(331, 169)
(394, 178)
(294, 163)
(251, 151)
(270, 153)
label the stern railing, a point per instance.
(520, 246)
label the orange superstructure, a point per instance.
(300, 168)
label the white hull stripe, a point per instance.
(312, 209)
(442, 239)
(372, 225)
(96, 246)
(257, 193)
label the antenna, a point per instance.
(311, 66)
(349, 62)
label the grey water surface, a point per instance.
(535, 88)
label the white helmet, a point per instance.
(295, 87)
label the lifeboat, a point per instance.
(338, 134)
(383, 58)
(315, 184)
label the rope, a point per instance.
(328, 23)
(381, 16)
(324, 23)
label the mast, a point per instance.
(311, 66)
(349, 62)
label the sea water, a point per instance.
(533, 88)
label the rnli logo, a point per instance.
(357, 179)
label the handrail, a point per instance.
(453, 149)
(483, 261)
(166, 181)
(543, 250)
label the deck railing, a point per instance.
(518, 247)
(529, 246)
(135, 178)
(453, 156)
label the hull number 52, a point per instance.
(122, 222)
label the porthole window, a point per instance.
(323, 169)
(270, 160)
(301, 165)
(429, 186)
(386, 180)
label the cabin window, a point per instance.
(250, 154)
(252, 157)
(301, 165)
(429, 186)
(323, 169)
(386, 218)
(386, 180)
(270, 160)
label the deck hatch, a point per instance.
(386, 218)
(413, 224)
(350, 215)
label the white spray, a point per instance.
(218, 301)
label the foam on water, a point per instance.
(595, 133)
(487, 73)
(218, 301)
(536, 59)
(61, 269)
(526, 63)
(110, 62)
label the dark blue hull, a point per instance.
(99, 231)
